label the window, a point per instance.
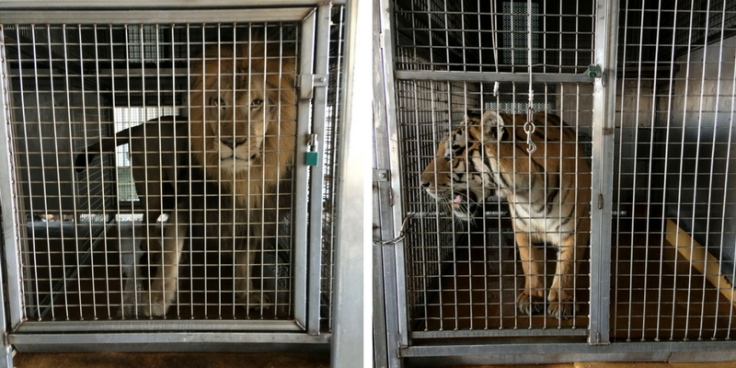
(515, 27)
(124, 118)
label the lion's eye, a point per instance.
(257, 102)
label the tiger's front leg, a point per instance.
(162, 293)
(562, 293)
(531, 299)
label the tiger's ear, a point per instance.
(492, 123)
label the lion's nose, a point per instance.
(229, 142)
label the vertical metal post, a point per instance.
(387, 156)
(11, 240)
(316, 192)
(352, 255)
(300, 209)
(380, 196)
(604, 93)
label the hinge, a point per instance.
(380, 175)
(307, 83)
(600, 201)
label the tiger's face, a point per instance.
(461, 176)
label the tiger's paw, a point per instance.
(528, 303)
(155, 305)
(253, 299)
(561, 304)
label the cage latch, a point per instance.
(313, 155)
(307, 83)
(380, 175)
(595, 71)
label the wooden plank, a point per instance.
(699, 258)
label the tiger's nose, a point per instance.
(425, 184)
(229, 142)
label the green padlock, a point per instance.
(312, 157)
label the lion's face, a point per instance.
(234, 120)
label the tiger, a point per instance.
(548, 193)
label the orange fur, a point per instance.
(548, 193)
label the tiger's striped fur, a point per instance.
(548, 192)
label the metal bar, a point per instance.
(604, 94)
(352, 256)
(157, 342)
(157, 325)
(154, 16)
(6, 355)
(528, 348)
(387, 149)
(301, 208)
(476, 77)
(721, 57)
(564, 358)
(26, 260)
(522, 332)
(154, 4)
(8, 191)
(316, 187)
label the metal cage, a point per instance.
(118, 219)
(646, 89)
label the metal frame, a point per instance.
(438, 77)
(352, 257)
(604, 94)
(390, 196)
(593, 344)
(40, 336)
(317, 172)
(143, 4)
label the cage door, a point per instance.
(88, 64)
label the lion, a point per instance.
(237, 143)
(242, 142)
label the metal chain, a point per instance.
(402, 233)
(529, 125)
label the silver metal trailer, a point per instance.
(82, 251)
(648, 89)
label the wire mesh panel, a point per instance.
(156, 169)
(494, 36)
(496, 174)
(674, 183)
(463, 273)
